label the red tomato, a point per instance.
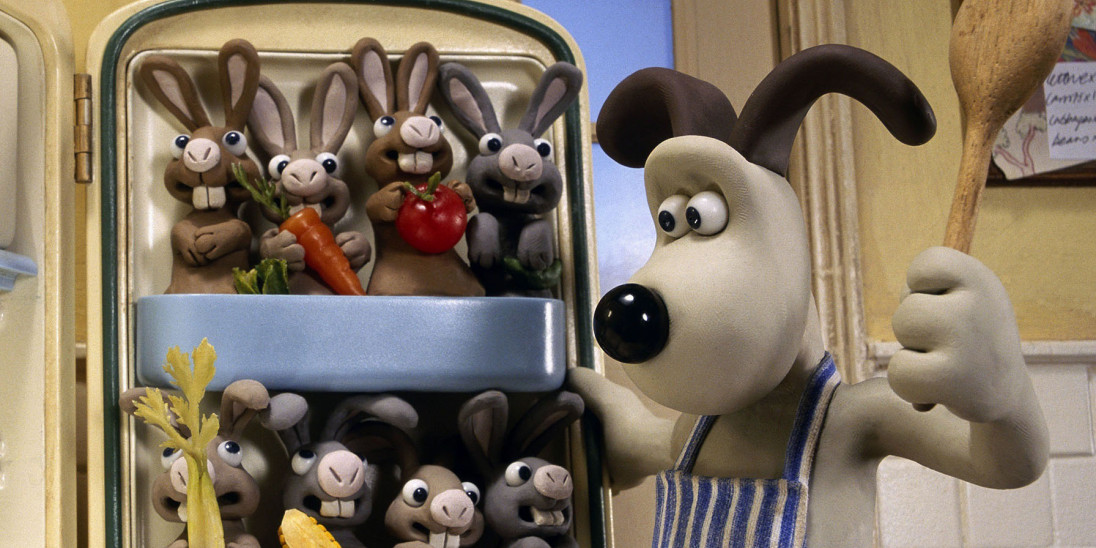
(433, 226)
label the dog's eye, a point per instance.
(383, 125)
(671, 216)
(231, 453)
(518, 473)
(706, 213)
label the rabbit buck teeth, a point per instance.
(205, 197)
(547, 517)
(182, 512)
(515, 195)
(337, 509)
(418, 162)
(444, 540)
(294, 209)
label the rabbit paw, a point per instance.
(279, 244)
(384, 205)
(465, 192)
(535, 245)
(356, 247)
(961, 346)
(484, 249)
(528, 542)
(215, 241)
(244, 541)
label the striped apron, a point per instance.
(697, 511)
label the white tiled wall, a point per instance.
(920, 508)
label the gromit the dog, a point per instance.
(720, 324)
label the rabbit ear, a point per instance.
(772, 115)
(271, 120)
(382, 442)
(287, 414)
(655, 104)
(128, 403)
(333, 107)
(416, 77)
(542, 423)
(240, 402)
(557, 89)
(239, 66)
(370, 63)
(172, 86)
(466, 96)
(482, 425)
(386, 407)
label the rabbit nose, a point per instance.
(452, 509)
(631, 323)
(341, 474)
(521, 163)
(201, 155)
(304, 178)
(553, 482)
(420, 132)
(180, 476)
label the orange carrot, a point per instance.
(321, 253)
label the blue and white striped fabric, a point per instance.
(697, 511)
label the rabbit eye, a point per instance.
(518, 473)
(472, 491)
(178, 145)
(383, 125)
(302, 461)
(544, 148)
(329, 162)
(169, 456)
(277, 165)
(235, 142)
(671, 216)
(437, 121)
(706, 213)
(415, 493)
(231, 453)
(490, 143)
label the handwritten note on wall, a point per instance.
(1071, 111)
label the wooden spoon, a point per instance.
(1000, 51)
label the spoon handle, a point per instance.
(973, 166)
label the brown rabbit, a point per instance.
(408, 146)
(210, 241)
(237, 492)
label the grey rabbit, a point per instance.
(331, 478)
(513, 178)
(526, 499)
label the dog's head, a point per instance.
(713, 321)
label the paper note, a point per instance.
(1071, 111)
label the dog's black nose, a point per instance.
(631, 323)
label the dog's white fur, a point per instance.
(744, 338)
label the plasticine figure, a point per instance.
(527, 500)
(236, 490)
(308, 177)
(332, 479)
(511, 245)
(408, 147)
(720, 324)
(210, 241)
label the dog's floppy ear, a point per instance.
(655, 104)
(772, 115)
